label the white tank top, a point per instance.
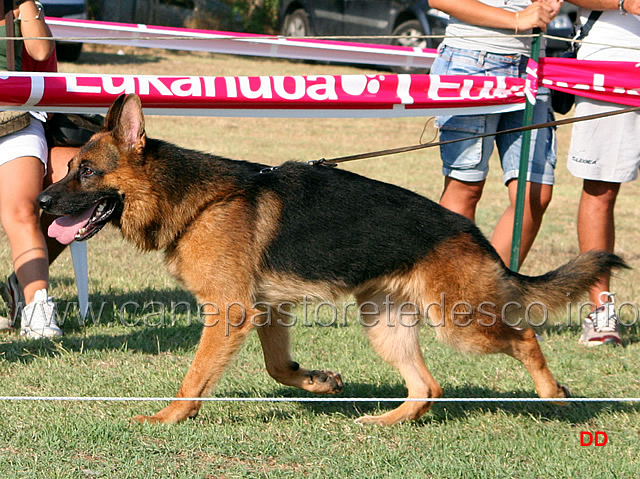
(611, 30)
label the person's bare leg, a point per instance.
(462, 196)
(20, 184)
(596, 225)
(537, 199)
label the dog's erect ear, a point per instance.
(113, 114)
(129, 130)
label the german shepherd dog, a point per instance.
(240, 233)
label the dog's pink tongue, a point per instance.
(65, 228)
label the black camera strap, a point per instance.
(586, 28)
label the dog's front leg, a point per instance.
(223, 333)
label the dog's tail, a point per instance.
(555, 288)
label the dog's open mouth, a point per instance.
(84, 225)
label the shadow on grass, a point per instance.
(141, 321)
(147, 340)
(441, 412)
(147, 307)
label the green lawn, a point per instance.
(121, 351)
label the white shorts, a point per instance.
(605, 149)
(29, 141)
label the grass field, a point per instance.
(124, 350)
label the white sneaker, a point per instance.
(39, 318)
(601, 325)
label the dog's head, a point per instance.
(92, 193)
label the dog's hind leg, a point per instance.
(222, 335)
(274, 337)
(396, 341)
(481, 337)
(522, 345)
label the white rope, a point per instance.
(263, 38)
(310, 399)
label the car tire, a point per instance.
(408, 31)
(68, 52)
(296, 24)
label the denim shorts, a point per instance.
(469, 160)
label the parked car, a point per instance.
(67, 51)
(407, 19)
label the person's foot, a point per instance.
(601, 325)
(14, 300)
(39, 318)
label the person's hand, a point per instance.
(555, 6)
(538, 14)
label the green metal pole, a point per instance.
(524, 166)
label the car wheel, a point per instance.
(409, 33)
(296, 24)
(68, 52)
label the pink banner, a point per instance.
(616, 82)
(278, 96)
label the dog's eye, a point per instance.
(87, 172)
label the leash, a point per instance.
(404, 149)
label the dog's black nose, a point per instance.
(45, 200)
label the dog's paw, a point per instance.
(324, 382)
(382, 420)
(563, 392)
(142, 419)
(364, 420)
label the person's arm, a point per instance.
(536, 15)
(32, 24)
(630, 6)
